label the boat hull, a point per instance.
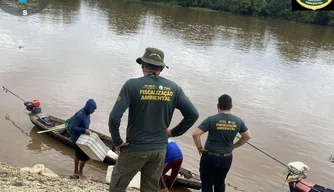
(188, 179)
(306, 186)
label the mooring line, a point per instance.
(8, 118)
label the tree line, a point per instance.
(274, 9)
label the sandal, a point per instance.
(82, 176)
(74, 176)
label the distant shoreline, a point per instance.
(263, 9)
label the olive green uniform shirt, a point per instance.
(151, 102)
(222, 130)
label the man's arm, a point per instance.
(198, 132)
(76, 122)
(189, 112)
(122, 103)
(197, 137)
(245, 136)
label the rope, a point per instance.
(8, 119)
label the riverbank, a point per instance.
(13, 179)
(278, 10)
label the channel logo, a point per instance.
(23, 7)
(312, 5)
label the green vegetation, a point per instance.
(274, 9)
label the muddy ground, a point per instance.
(14, 179)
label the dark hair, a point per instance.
(225, 102)
(152, 67)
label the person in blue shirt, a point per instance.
(80, 125)
(173, 160)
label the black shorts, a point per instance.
(80, 154)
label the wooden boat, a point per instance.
(187, 178)
(45, 122)
(306, 186)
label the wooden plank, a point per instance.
(58, 127)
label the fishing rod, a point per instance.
(7, 90)
(285, 165)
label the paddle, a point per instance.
(58, 127)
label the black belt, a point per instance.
(219, 154)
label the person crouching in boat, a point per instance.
(173, 160)
(80, 125)
(216, 156)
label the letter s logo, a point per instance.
(25, 12)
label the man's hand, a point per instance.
(118, 148)
(87, 132)
(169, 132)
(201, 150)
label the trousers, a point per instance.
(213, 171)
(149, 163)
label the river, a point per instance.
(279, 74)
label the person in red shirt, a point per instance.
(173, 160)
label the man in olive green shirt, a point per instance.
(151, 100)
(217, 156)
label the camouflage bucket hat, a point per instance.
(153, 56)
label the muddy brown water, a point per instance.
(280, 75)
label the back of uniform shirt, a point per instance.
(222, 130)
(151, 101)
